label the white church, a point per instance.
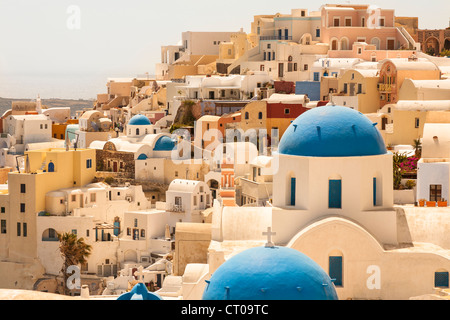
(334, 203)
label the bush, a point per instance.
(410, 184)
(109, 180)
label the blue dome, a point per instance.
(277, 273)
(164, 143)
(332, 131)
(139, 120)
(139, 292)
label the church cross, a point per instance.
(269, 235)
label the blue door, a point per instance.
(51, 167)
(335, 270)
(293, 185)
(117, 228)
(335, 194)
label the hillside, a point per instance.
(5, 104)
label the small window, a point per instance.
(417, 123)
(176, 173)
(89, 163)
(74, 197)
(318, 33)
(87, 233)
(3, 210)
(135, 223)
(22, 207)
(93, 197)
(23, 188)
(435, 192)
(260, 115)
(316, 76)
(335, 270)
(142, 233)
(287, 111)
(128, 231)
(19, 229)
(3, 227)
(336, 22)
(441, 280)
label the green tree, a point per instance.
(74, 252)
(418, 147)
(399, 158)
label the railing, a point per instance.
(177, 208)
(384, 87)
(275, 38)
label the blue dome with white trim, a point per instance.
(332, 131)
(270, 273)
(165, 143)
(139, 120)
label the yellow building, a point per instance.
(410, 117)
(357, 89)
(46, 170)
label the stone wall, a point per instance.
(115, 161)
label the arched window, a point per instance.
(137, 131)
(376, 42)
(50, 235)
(334, 44)
(344, 44)
(335, 268)
(51, 167)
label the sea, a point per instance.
(56, 86)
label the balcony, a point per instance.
(262, 38)
(384, 87)
(177, 208)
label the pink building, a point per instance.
(368, 52)
(343, 25)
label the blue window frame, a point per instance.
(316, 76)
(318, 33)
(293, 190)
(335, 270)
(335, 194)
(89, 163)
(441, 280)
(51, 167)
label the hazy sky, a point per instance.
(118, 37)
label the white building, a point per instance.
(433, 173)
(334, 203)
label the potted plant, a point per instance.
(422, 203)
(442, 203)
(431, 204)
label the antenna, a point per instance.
(75, 144)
